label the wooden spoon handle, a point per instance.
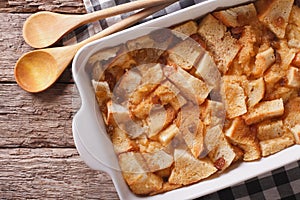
(123, 8)
(124, 23)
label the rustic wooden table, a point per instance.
(38, 158)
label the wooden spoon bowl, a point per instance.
(36, 71)
(43, 29)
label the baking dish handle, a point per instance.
(98, 157)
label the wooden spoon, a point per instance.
(37, 70)
(43, 29)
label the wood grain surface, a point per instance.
(43, 173)
(21, 6)
(38, 157)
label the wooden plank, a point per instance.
(21, 6)
(37, 120)
(50, 173)
(12, 46)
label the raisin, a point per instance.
(220, 163)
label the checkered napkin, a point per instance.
(282, 183)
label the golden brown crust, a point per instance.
(238, 16)
(264, 110)
(234, 96)
(220, 43)
(185, 30)
(272, 146)
(188, 169)
(275, 15)
(241, 135)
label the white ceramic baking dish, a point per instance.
(95, 147)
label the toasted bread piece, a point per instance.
(156, 120)
(140, 94)
(185, 30)
(293, 77)
(191, 128)
(133, 128)
(270, 130)
(105, 54)
(219, 41)
(219, 150)
(296, 60)
(159, 118)
(294, 15)
(168, 93)
(101, 59)
(142, 110)
(141, 42)
(185, 54)
(147, 184)
(151, 77)
(117, 66)
(285, 93)
(212, 113)
(264, 110)
(273, 75)
(192, 88)
(139, 163)
(148, 49)
(263, 61)
(146, 145)
(188, 169)
(160, 95)
(166, 136)
(233, 96)
(116, 113)
(119, 116)
(292, 113)
(287, 54)
(275, 15)
(140, 102)
(296, 132)
(151, 73)
(246, 57)
(121, 142)
(132, 162)
(241, 135)
(127, 84)
(237, 16)
(271, 146)
(293, 28)
(208, 71)
(102, 91)
(256, 92)
(241, 80)
(178, 102)
(211, 29)
(158, 160)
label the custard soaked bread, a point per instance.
(182, 105)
